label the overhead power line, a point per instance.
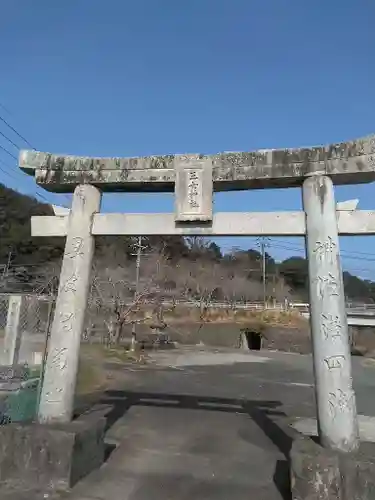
(9, 171)
(302, 249)
(5, 109)
(16, 132)
(8, 152)
(43, 198)
(10, 140)
(347, 266)
(6, 171)
(346, 254)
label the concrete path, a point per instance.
(189, 448)
(208, 424)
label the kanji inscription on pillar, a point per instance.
(339, 401)
(193, 189)
(76, 249)
(328, 286)
(325, 250)
(331, 326)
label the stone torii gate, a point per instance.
(193, 178)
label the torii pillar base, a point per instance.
(321, 473)
(50, 457)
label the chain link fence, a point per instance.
(23, 340)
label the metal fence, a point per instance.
(24, 325)
(37, 310)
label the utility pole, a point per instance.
(7, 266)
(136, 291)
(6, 270)
(263, 243)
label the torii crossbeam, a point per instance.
(346, 163)
(194, 178)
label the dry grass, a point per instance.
(185, 314)
(101, 353)
(124, 356)
(92, 373)
(241, 316)
(90, 377)
(277, 318)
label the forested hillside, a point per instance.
(15, 212)
(179, 267)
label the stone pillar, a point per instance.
(335, 399)
(57, 398)
(12, 338)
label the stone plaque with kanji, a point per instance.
(193, 190)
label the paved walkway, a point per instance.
(186, 448)
(193, 427)
(206, 425)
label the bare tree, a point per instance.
(197, 244)
(238, 289)
(278, 289)
(200, 280)
(114, 292)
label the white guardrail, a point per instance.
(352, 309)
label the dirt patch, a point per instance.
(93, 372)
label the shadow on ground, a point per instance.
(114, 404)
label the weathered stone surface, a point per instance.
(193, 191)
(50, 457)
(57, 398)
(335, 398)
(346, 162)
(309, 427)
(318, 473)
(223, 224)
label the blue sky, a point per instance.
(132, 78)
